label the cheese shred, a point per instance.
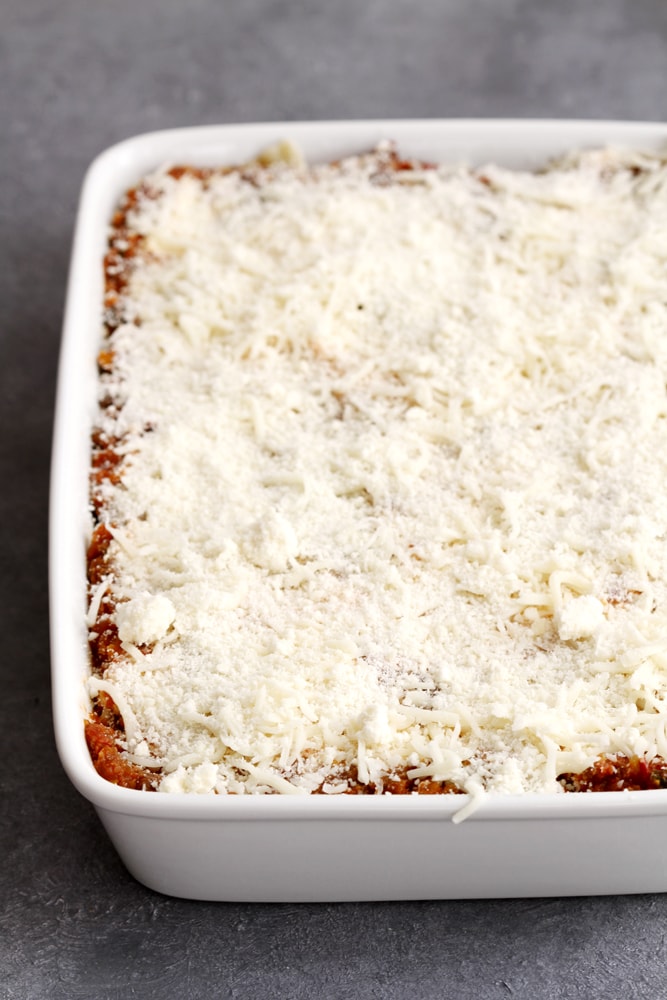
(395, 454)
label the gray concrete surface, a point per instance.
(74, 77)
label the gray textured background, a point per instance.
(76, 76)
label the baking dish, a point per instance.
(315, 848)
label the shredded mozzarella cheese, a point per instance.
(401, 507)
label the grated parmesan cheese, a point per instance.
(401, 506)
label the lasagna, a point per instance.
(378, 479)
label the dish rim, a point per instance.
(105, 179)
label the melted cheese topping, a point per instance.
(402, 502)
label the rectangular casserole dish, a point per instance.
(275, 848)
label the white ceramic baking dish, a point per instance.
(316, 848)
